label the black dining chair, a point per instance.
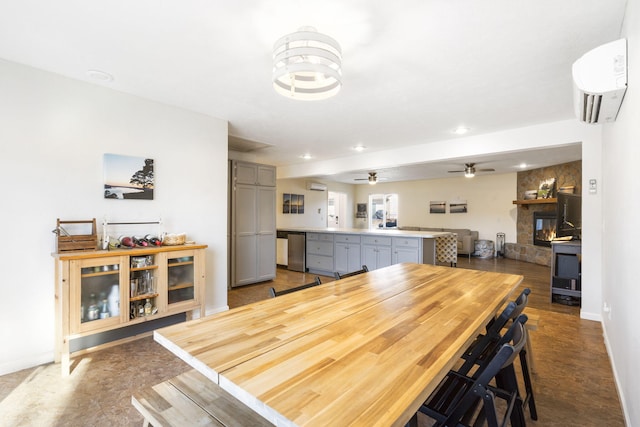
(487, 344)
(273, 293)
(457, 399)
(339, 276)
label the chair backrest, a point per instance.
(275, 293)
(521, 303)
(502, 358)
(339, 276)
(513, 336)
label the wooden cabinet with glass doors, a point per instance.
(102, 291)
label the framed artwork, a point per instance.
(127, 177)
(547, 188)
(292, 203)
(361, 210)
(437, 207)
(459, 206)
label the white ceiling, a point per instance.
(413, 70)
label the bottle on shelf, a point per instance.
(104, 307)
(147, 307)
(93, 310)
(134, 288)
(114, 300)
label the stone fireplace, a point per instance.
(544, 228)
(524, 248)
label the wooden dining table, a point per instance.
(364, 350)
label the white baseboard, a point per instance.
(213, 310)
(591, 316)
(616, 378)
(25, 363)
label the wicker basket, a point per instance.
(174, 239)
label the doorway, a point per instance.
(336, 209)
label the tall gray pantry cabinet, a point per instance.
(253, 223)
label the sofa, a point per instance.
(466, 238)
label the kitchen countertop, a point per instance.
(369, 232)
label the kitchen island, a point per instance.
(342, 250)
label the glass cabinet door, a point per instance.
(180, 276)
(143, 286)
(96, 299)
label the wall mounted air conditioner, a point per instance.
(599, 82)
(315, 186)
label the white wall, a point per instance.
(315, 203)
(620, 189)
(489, 201)
(53, 134)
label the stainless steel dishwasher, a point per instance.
(296, 249)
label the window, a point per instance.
(384, 210)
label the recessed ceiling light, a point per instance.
(523, 165)
(306, 156)
(359, 148)
(100, 75)
(461, 130)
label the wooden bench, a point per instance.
(191, 399)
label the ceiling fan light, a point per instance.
(469, 172)
(372, 180)
(307, 65)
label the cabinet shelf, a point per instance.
(175, 264)
(180, 286)
(142, 297)
(148, 267)
(100, 273)
(525, 203)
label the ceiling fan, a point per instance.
(470, 170)
(373, 178)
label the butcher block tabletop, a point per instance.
(364, 350)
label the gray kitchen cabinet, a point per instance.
(376, 252)
(347, 253)
(320, 253)
(406, 249)
(253, 223)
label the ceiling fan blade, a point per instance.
(454, 171)
(485, 170)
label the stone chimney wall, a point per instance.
(565, 174)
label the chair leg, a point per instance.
(506, 380)
(528, 386)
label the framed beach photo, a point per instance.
(437, 207)
(459, 206)
(128, 177)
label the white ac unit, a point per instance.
(600, 82)
(315, 186)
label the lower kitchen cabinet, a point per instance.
(376, 252)
(320, 253)
(347, 255)
(406, 249)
